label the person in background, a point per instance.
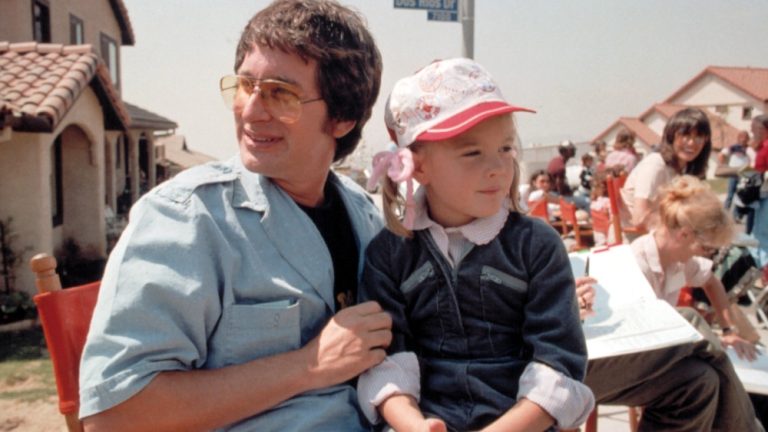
(556, 168)
(227, 302)
(600, 152)
(692, 225)
(585, 177)
(688, 387)
(760, 229)
(557, 172)
(623, 156)
(685, 148)
(486, 331)
(735, 156)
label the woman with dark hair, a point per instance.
(684, 149)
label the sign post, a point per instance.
(449, 11)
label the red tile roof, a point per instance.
(641, 130)
(667, 110)
(39, 83)
(753, 81)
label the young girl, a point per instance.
(692, 224)
(486, 333)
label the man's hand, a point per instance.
(353, 341)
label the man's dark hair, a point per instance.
(336, 37)
(687, 121)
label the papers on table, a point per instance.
(754, 375)
(628, 316)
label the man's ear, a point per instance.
(341, 128)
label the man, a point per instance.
(221, 306)
(760, 229)
(556, 168)
(735, 157)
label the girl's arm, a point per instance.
(523, 416)
(715, 292)
(402, 413)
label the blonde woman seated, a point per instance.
(692, 224)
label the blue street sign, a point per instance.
(436, 5)
(441, 15)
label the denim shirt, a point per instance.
(477, 326)
(218, 267)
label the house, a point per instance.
(173, 156)
(731, 97)
(72, 155)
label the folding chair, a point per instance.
(601, 223)
(65, 316)
(539, 209)
(614, 185)
(580, 230)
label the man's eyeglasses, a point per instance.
(281, 99)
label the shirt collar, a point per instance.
(480, 231)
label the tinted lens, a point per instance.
(228, 88)
(279, 99)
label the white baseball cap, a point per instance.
(442, 100)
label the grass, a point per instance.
(26, 373)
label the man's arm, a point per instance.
(350, 343)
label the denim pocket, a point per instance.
(261, 329)
(417, 277)
(502, 298)
(490, 274)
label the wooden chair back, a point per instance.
(614, 198)
(570, 221)
(539, 209)
(65, 316)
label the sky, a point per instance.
(581, 64)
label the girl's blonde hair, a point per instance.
(689, 202)
(393, 202)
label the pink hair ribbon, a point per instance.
(398, 165)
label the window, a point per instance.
(76, 36)
(41, 21)
(109, 55)
(746, 113)
(57, 197)
(721, 109)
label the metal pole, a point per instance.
(468, 27)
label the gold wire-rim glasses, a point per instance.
(281, 99)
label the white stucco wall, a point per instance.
(25, 192)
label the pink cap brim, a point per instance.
(464, 120)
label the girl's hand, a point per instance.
(585, 295)
(434, 425)
(743, 348)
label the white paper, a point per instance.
(628, 316)
(754, 375)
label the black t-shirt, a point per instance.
(332, 220)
